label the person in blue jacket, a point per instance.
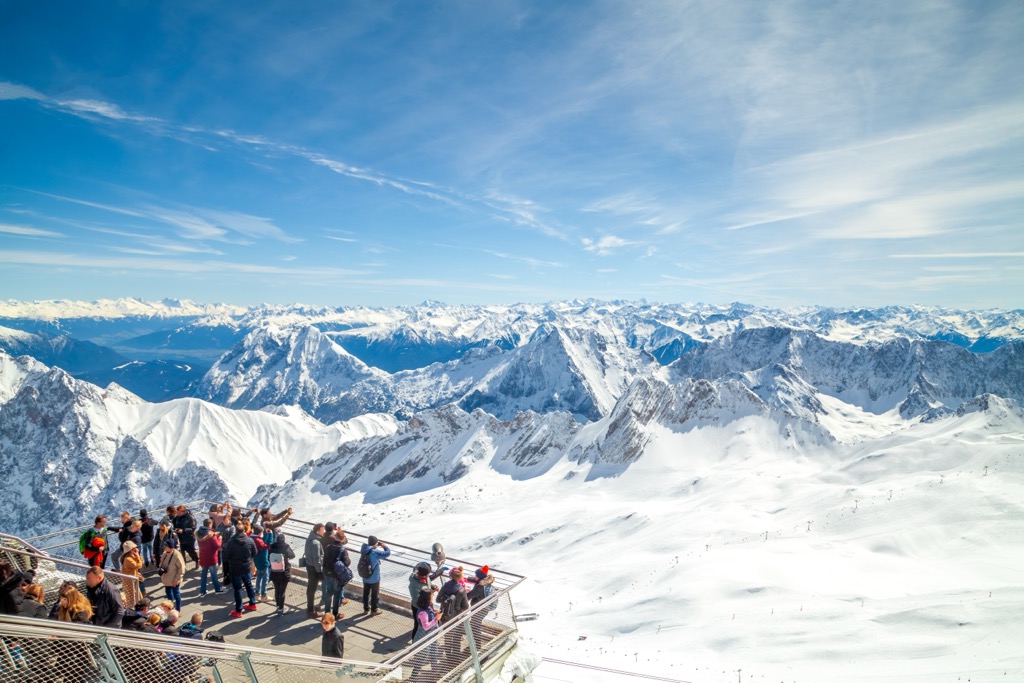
(375, 551)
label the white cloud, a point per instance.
(25, 231)
(14, 91)
(605, 245)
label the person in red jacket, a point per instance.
(209, 560)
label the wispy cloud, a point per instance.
(962, 255)
(25, 231)
(192, 222)
(94, 262)
(528, 260)
(517, 211)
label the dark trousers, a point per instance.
(312, 581)
(415, 624)
(371, 595)
(280, 581)
(237, 581)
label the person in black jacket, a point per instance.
(122, 536)
(333, 643)
(280, 568)
(10, 588)
(238, 553)
(334, 587)
(107, 607)
(185, 527)
(148, 533)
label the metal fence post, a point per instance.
(110, 668)
(244, 657)
(467, 626)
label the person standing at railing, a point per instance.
(122, 536)
(162, 534)
(172, 570)
(280, 557)
(107, 606)
(374, 551)
(209, 549)
(336, 574)
(93, 542)
(238, 553)
(453, 602)
(147, 532)
(314, 561)
(131, 562)
(185, 527)
(271, 522)
(419, 581)
(261, 563)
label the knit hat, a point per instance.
(202, 531)
(481, 573)
(438, 555)
(372, 540)
(170, 543)
(423, 569)
(128, 546)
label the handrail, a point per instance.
(60, 560)
(87, 526)
(481, 607)
(162, 643)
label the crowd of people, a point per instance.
(251, 551)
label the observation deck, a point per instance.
(260, 646)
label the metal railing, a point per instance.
(51, 572)
(459, 649)
(62, 652)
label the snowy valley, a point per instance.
(701, 493)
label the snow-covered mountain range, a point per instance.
(708, 460)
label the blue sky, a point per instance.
(377, 153)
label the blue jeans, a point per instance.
(333, 594)
(212, 571)
(174, 594)
(262, 577)
(237, 581)
(327, 589)
(147, 553)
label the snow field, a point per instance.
(731, 553)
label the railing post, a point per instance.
(467, 625)
(216, 674)
(244, 657)
(111, 670)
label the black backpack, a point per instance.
(364, 567)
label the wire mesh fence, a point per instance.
(465, 642)
(31, 651)
(51, 573)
